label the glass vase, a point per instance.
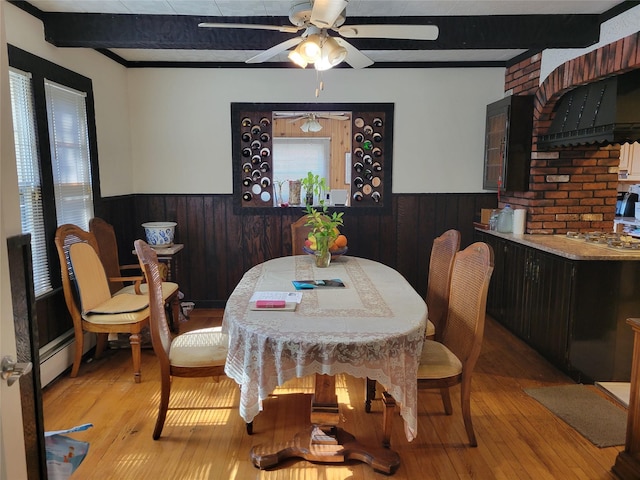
(323, 255)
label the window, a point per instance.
(56, 146)
(294, 157)
(29, 185)
(67, 119)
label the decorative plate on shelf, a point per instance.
(334, 254)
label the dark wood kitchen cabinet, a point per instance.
(528, 296)
(507, 155)
(505, 299)
(573, 312)
(546, 312)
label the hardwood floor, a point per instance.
(205, 438)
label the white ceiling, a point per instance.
(355, 8)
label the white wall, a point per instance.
(180, 121)
(181, 132)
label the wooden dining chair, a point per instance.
(451, 361)
(120, 281)
(198, 353)
(443, 252)
(89, 300)
(118, 274)
(299, 233)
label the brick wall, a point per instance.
(572, 188)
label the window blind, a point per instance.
(68, 132)
(28, 166)
(293, 157)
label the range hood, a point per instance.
(602, 112)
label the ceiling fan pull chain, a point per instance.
(320, 83)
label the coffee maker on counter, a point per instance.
(626, 203)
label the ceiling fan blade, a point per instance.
(326, 12)
(333, 117)
(355, 57)
(408, 32)
(281, 28)
(273, 51)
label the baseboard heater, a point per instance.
(57, 355)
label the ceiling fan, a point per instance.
(316, 46)
(311, 123)
(294, 116)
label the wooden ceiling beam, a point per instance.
(182, 32)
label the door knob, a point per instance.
(12, 370)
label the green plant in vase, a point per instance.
(309, 183)
(314, 186)
(324, 229)
(320, 189)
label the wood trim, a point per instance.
(26, 327)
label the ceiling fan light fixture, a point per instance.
(310, 49)
(311, 125)
(297, 58)
(332, 54)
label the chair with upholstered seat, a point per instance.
(89, 300)
(443, 252)
(198, 353)
(119, 283)
(451, 361)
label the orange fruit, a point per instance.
(340, 241)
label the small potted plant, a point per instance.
(314, 186)
(324, 228)
(309, 184)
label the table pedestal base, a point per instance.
(381, 459)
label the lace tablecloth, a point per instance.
(374, 327)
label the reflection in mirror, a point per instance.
(346, 148)
(293, 158)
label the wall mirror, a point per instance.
(346, 149)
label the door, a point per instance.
(495, 145)
(549, 287)
(12, 451)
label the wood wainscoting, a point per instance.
(220, 245)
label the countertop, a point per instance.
(573, 249)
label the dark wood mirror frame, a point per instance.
(251, 151)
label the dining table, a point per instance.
(371, 327)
